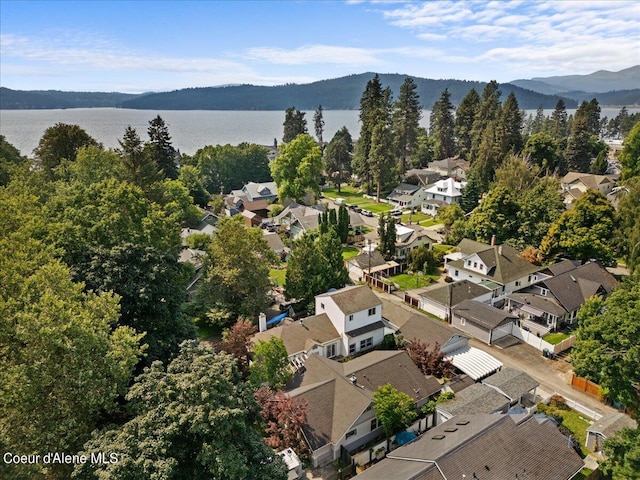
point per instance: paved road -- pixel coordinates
(553, 375)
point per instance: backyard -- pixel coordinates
(354, 196)
(406, 281)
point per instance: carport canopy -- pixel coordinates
(474, 362)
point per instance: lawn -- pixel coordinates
(555, 338)
(278, 276)
(409, 282)
(349, 252)
(578, 425)
(444, 248)
(354, 196)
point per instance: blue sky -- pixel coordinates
(138, 46)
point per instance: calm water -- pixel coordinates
(190, 129)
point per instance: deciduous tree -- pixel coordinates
(61, 141)
(236, 341)
(630, 155)
(430, 361)
(297, 169)
(285, 417)
(395, 410)
(270, 364)
(197, 419)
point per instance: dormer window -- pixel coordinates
(372, 311)
(350, 317)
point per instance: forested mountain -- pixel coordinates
(335, 94)
(36, 99)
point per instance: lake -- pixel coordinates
(189, 129)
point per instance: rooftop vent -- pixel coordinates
(437, 437)
(462, 422)
(451, 429)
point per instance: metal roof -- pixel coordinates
(474, 362)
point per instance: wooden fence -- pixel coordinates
(586, 386)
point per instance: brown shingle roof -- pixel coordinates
(296, 335)
(483, 315)
(458, 292)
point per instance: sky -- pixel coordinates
(147, 45)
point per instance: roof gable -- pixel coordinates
(353, 299)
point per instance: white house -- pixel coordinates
(443, 192)
(406, 196)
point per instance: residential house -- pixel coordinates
(497, 267)
(555, 301)
(483, 447)
(451, 167)
(574, 184)
(517, 386)
(482, 321)
(275, 243)
(606, 427)
(454, 344)
(340, 411)
(476, 398)
(443, 192)
(410, 237)
(253, 191)
(370, 262)
(422, 176)
(207, 225)
(347, 321)
(439, 299)
(195, 258)
(298, 219)
(406, 196)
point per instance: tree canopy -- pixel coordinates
(395, 410)
(297, 169)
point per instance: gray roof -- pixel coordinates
(365, 260)
(611, 423)
(457, 291)
(546, 304)
(503, 262)
(511, 382)
(476, 398)
(563, 266)
(493, 447)
(483, 315)
(353, 299)
(366, 329)
(300, 336)
(574, 287)
(335, 403)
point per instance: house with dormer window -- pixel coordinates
(496, 267)
(443, 192)
(406, 196)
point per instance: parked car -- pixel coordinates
(366, 213)
(395, 212)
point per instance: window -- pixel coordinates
(352, 349)
(322, 306)
(456, 273)
(350, 317)
(475, 264)
(468, 263)
(366, 343)
(518, 282)
(462, 321)
(352, 433)
(544, 292)
(331, 350)
(374, 424)
(372, 311)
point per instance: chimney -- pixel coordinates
(500, 250)
(262, 322)
(353, 379)
(493, 240)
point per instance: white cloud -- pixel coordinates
(314, 54)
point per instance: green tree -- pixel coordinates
(298, 168)
(10, 160)
(406, 119)
(371, 113)
(471, 192)
(381, 160)
(343, 224)
(318, 125)
(236, 271)
(63, 360)
(315, 266)
(607, 348)
(589, 112)
(600, 164)
(516, 174)
(294, 124)
(486, 116)
(425, 151)
(337, 157)
(538, 208)
(61, 141)
(442, 126)
(387, 236)
(496, 215)
(160, 149)
(174, 432)
(627, 236)
(448, 214)
(630, 155)
(488, 156)
(139, 168)
(542, 150)
(270, 363)
(582, 146)
(394, 410)
(465, 117)
(190, 177)
(585, 232)
(559, 121)
(510, 126)
(622, 455)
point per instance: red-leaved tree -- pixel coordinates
(430, 361)
(236, 341)
(285, 416)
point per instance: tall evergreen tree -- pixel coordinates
(559, 121)
(387, 236)
(337, 157)
(488, 112)
(160, 148)
(343, 224)
(294, 124)
(381, 156)
(139, 168)
(442, 126)
(471, 193)
(371, 111)
(465, 117)
(406, 120)
(590, 113)
(538, 122)
(579, 151)
(318, 125)
(510, 126)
